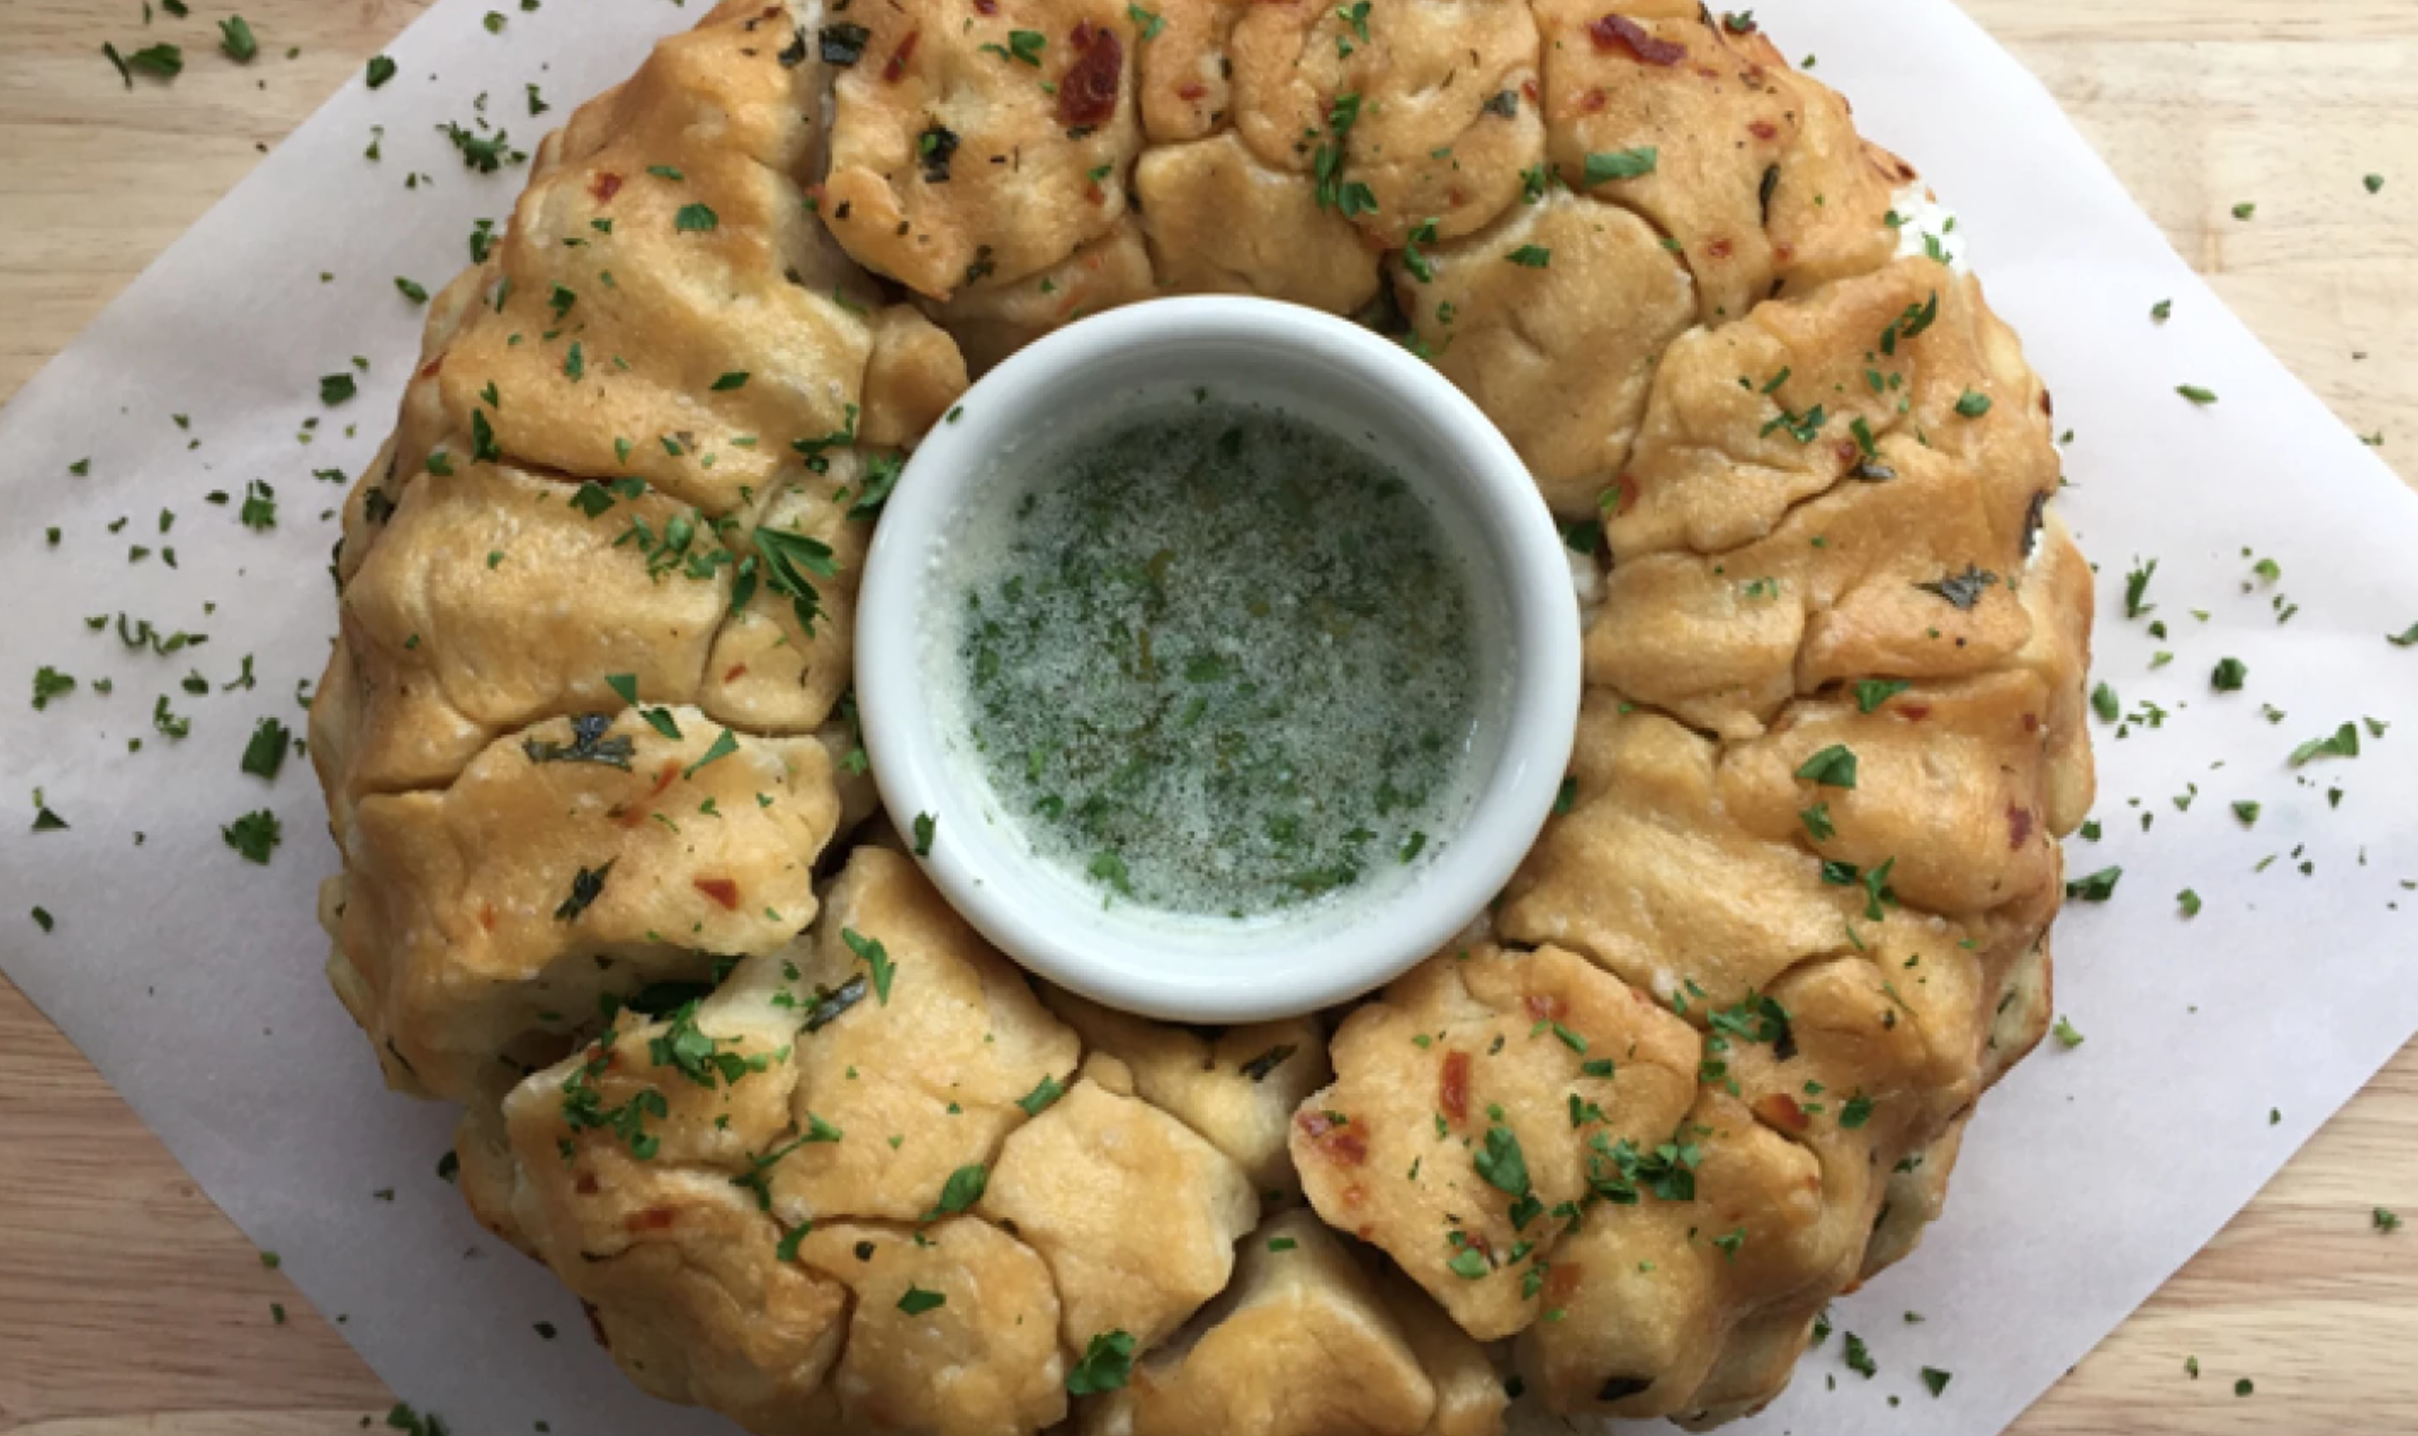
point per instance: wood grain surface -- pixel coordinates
(130, 1307)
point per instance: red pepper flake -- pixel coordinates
(2031, 722)
(1545, 1006)
(1623, 494)
(1848, 453)
(487, 917)
(1452, 1087)
(586, 1187)
(1764, 130)
(1618, 32)
(986, 7)
(1528, 92)
(1911, 712)
(604, 187)
(737, 672)
(1783, 252)
(653, 1219)
(896, 69)
(721, 890)
(2019, 826)
(1594, 102)
(1781, 1110)
(1191, 90)
(1339, 1142)
(1719, 249)
(1087, 92)
(429, 370)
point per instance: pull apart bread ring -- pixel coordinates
(817, 1156)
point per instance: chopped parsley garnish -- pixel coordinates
(843, 45)
(2228, 676)
(50, 683)
(963, 1189)
(1106, 1364)
(917, 1301)
(2343, 743)
(235, 37)
(2136, 588)
(696, 219)
(254, 835)
(483, 153)
(876, 957)
(1854, 1113)
(1150, 21)
(723, 746)
(1973, 403)
(336, 388)
(1501, 1162)
(1045, 1094)
(881, 476)
(265, 753)
(1605, 166)
(588, 741)
(2385, 1220)
(2067, 1035)
(728, 382)
(1859, 1357)
(1833, 767)
(381, 70)
(2189, 901)
(787, 560)
(925, 825)
(2094, 887)
(1935, 1380)
(1963, 590)
(1262, 1067)
(2196, 394)
(2105, 703)
(2162, 311)
(586, 887)
(1871, 693)
(1531, 256)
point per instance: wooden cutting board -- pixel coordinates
(129, 1305)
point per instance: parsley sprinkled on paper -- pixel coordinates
(255, 835)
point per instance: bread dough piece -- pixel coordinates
(1221, 222)
(967, 144)
(1462, 1113)
(1300, 1345)
(1136, 1215)
(1236, 1086)
(666, 306)
(766, 672)
(494, 913)
(981, 1361)
(995, 318)
(494, 602)
(1560, 356)
(923, 1082)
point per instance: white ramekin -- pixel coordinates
(1317, 368)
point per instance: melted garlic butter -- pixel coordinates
(1216, 661)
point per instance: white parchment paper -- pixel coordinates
(192, 977)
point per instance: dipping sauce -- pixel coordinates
(1217, 660)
